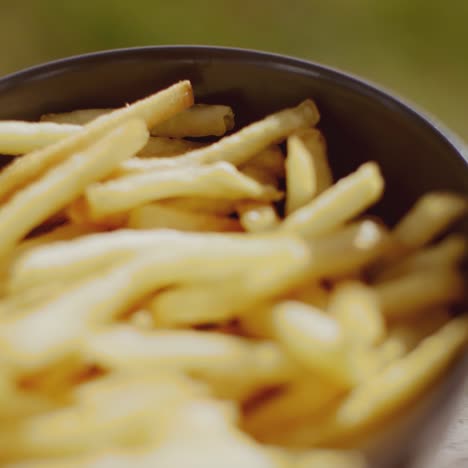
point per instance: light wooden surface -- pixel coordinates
(453, 452)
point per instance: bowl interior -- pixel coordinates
(360, 123)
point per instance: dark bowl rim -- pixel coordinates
(273, 59)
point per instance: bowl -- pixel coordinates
(360, 121)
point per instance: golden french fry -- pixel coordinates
(211, 181)
(299, 400)
(198, 121)
(17, 137)
(301, 180)
(315, 143)
(356, 307)
(270, 161)
(158, 147)
(429, 217)
(142, 319)
(313, 294)
(68, 261)
(218, 207)
(257, 216)
(313, 338)
(77, 213)
(157, 216)
(216, 302)
(93, 423)
(258, 321)
(347, 250)
(243, 145)
(448, 253)
(233, 366)
(76, 117)
(35, 203)
(416, 292)
(338, 204)
(403, 380)
(152, 110)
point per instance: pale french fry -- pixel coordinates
(76, 117)
(243, 145)
(347, 250)
(62, 184)
(93, 423)
(301, 180)
(157, 216)
(414, 293)
(158, 147)
(430, 216)
(221, 301)
(257, 216)
(448, 253)
(299, 400)
(73, 260)
(152, 110)
(390, 389)
(64, 232)
(233, 366)
(313, 294)
(77, 213)
(198, 121)
(219, 207)
(142, 319)
(17, 137)
(313, 338)
(270, 160)
(211, 181)
(315, 143)
(356, 306)
(338, 204)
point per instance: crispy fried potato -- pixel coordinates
(257, 216)
(157, 216)
(338, 204)
(152, 110)
(17, 137)
(61, 185)
(212, 181)
(199, 120)
(76, 117)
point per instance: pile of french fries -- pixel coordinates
(168, 302)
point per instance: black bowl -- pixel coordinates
(360, 122)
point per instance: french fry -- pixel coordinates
(414, 293)
(257, 216)
(76, 117)
(152, 110)
(389, 390)
(198, 121)
(313, 338)
(347, 250)
(93, 423)
(338, 204)
(157, 216)
(211, 181)
(158, 147)
(270, 161)
(61, 185)
(232, 365)
(314, 141)
(68, 261)
(243, 145)
(448, 253)
(258, 321)
(301, 180)
(202, 303)
(356, 307)
(300, 399)
(218, 207)
(430, 216)
(17, 137)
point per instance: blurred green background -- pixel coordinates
(415, 47)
